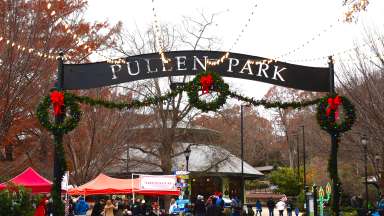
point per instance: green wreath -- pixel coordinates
(218, 86)
(327, 114)
(69, 123)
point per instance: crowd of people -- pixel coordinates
(101, 207)
(211, 206)
(115, 207)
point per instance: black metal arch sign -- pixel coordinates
(147, 66)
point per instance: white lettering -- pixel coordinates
(115, 68)
(149, 67)
(180, 63)
(247, 66)
(195, 59)
(231, 64)
(276, 72)
(264, 70)
(164, 69)
(129, 68)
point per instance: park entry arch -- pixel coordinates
(335, 113)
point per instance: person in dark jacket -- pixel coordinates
(136, 210)
(212, 209)
(49, 207)
(97, 208)
(200, 206)
(271, 206)
(290, 207)
(71, 208)
(259, 208)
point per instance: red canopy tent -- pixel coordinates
(103, 184)
(32, 180)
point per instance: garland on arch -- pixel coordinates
(206, 82)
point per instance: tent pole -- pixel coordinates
(133, 190)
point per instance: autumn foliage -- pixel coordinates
(32, 33)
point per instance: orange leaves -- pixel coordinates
(31, 31)
(354, 7)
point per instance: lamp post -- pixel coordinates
(364, 142)
(304, 158)
(187, 153)
(304, 170)
(242, 154)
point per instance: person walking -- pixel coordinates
(236, 206)
(49, 207)
(212, 208)
(136, 209)
(200, 206)
(280, 207)
(259, 207)
(172, 206)
(81, 207)
(271, 206)
(126, 208)
(250, 211)
(71, 207)
(297, 211)
(109, 208)
(290, 207)
(220, 203)
(97, 209)
(40, 210)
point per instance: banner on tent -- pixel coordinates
(157, 182)
(147, 66)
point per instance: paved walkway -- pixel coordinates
(265, 212)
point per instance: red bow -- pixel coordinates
(333, 104)
(57, 99)
(206, 82)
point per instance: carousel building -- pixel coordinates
(211, 168)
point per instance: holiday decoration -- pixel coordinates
(333, 105)
(204, 82)
(328, 114)
(57, 100)
(69, 123)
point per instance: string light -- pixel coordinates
(110, 60)
(348, 17)
(157, 28)
(303, 45)
(340, 53)
(48, 55)
(226, 55)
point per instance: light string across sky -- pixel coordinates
(47, 55)
(157, 31)
(347, 18)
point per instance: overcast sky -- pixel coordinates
(277, 27)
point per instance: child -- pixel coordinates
(297, 211)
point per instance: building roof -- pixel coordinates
(265, 168)
(203, 158)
